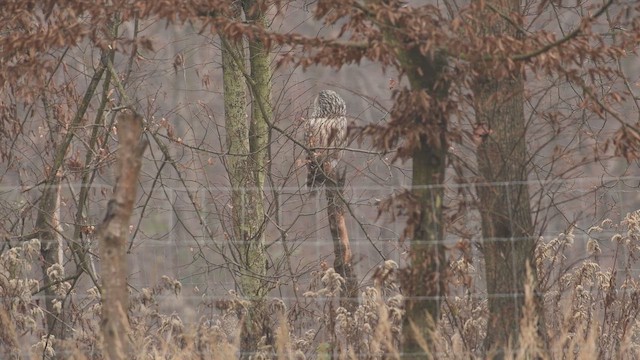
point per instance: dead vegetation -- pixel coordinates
(591, 308)
(437, 84)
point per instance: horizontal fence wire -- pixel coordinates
(169, 241)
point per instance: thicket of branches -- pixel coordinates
(477, 129)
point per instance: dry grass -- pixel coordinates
(591, 305)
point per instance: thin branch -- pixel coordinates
(571, 35)
(506, 18)
(252, 84)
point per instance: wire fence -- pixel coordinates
(166, 226)
(170, 241)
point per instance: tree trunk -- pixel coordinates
(46, 221)
(261, 110)
(343, 257)
(47, 224)
(507, 229)
(113, 234)
(248, 152)
(424, 282)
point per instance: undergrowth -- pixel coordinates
(591, 301)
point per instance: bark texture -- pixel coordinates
(343, 257)
(425, 281)
(113, 234)
(248, 144)
(507, 228)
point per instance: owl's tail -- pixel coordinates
(315, 176)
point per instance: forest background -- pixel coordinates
(153, 166)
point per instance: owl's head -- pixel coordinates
(328, 104)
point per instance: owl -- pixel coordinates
(325, 135)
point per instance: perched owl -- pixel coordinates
(325, 134)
